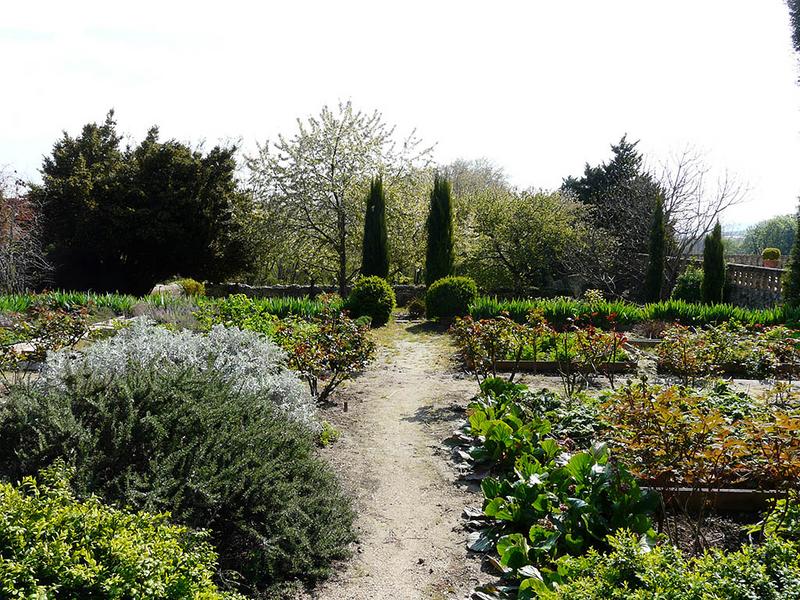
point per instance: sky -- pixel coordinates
(540, 87)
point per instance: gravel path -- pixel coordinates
(392, 460)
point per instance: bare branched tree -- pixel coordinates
(692, 205)
(23, 264)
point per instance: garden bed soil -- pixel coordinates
(728, 500)
(553, 366)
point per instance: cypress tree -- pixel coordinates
(375, 253)
(713, 267)
(656, 257)
(439, 256)
(791, 279)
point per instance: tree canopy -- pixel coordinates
(621, 198)
(311, 188)
(777, 232)
(125, 218)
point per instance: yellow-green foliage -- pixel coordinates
(54, 546)
(192, 287)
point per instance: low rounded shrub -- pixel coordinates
(771, 254)
(192, 287)
(450, 297)
(372, 297)
(688, 285)
(55, 546)
(213, 446)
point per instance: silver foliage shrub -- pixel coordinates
(243, 358)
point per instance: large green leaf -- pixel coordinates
(579, 466)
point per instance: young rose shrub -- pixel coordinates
(327, 350)
(56, 546)
(372, 297)
(450, 297)
(213, 453)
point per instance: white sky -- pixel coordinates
(538, 86)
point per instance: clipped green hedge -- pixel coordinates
(53, 545)
(372, 297)
(450, 297)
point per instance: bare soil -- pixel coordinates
(393, 459)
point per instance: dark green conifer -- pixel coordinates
(375, 253)
(791, 279)
(656, 256)
(439, 256)
(713, 267)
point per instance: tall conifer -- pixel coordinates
(713, 267)
(791, 279)
(375, 253)
(439, 256)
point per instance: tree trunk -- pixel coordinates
(342, 275)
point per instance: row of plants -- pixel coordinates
(123, 304)
(489, 346)
(213, 428)
(324, 346)
(695, 353)
(562, 312)
(120, 304)
(563, 510)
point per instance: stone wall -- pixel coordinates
(752, 286)
(754, 260)
(404, 293)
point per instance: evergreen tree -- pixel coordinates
(794, 13)
(439, 257)
(791, 279)
(125, 218)
(656, 256)
(621, 197)
(375, 254)
(713, 267)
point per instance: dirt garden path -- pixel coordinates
(391, 458)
